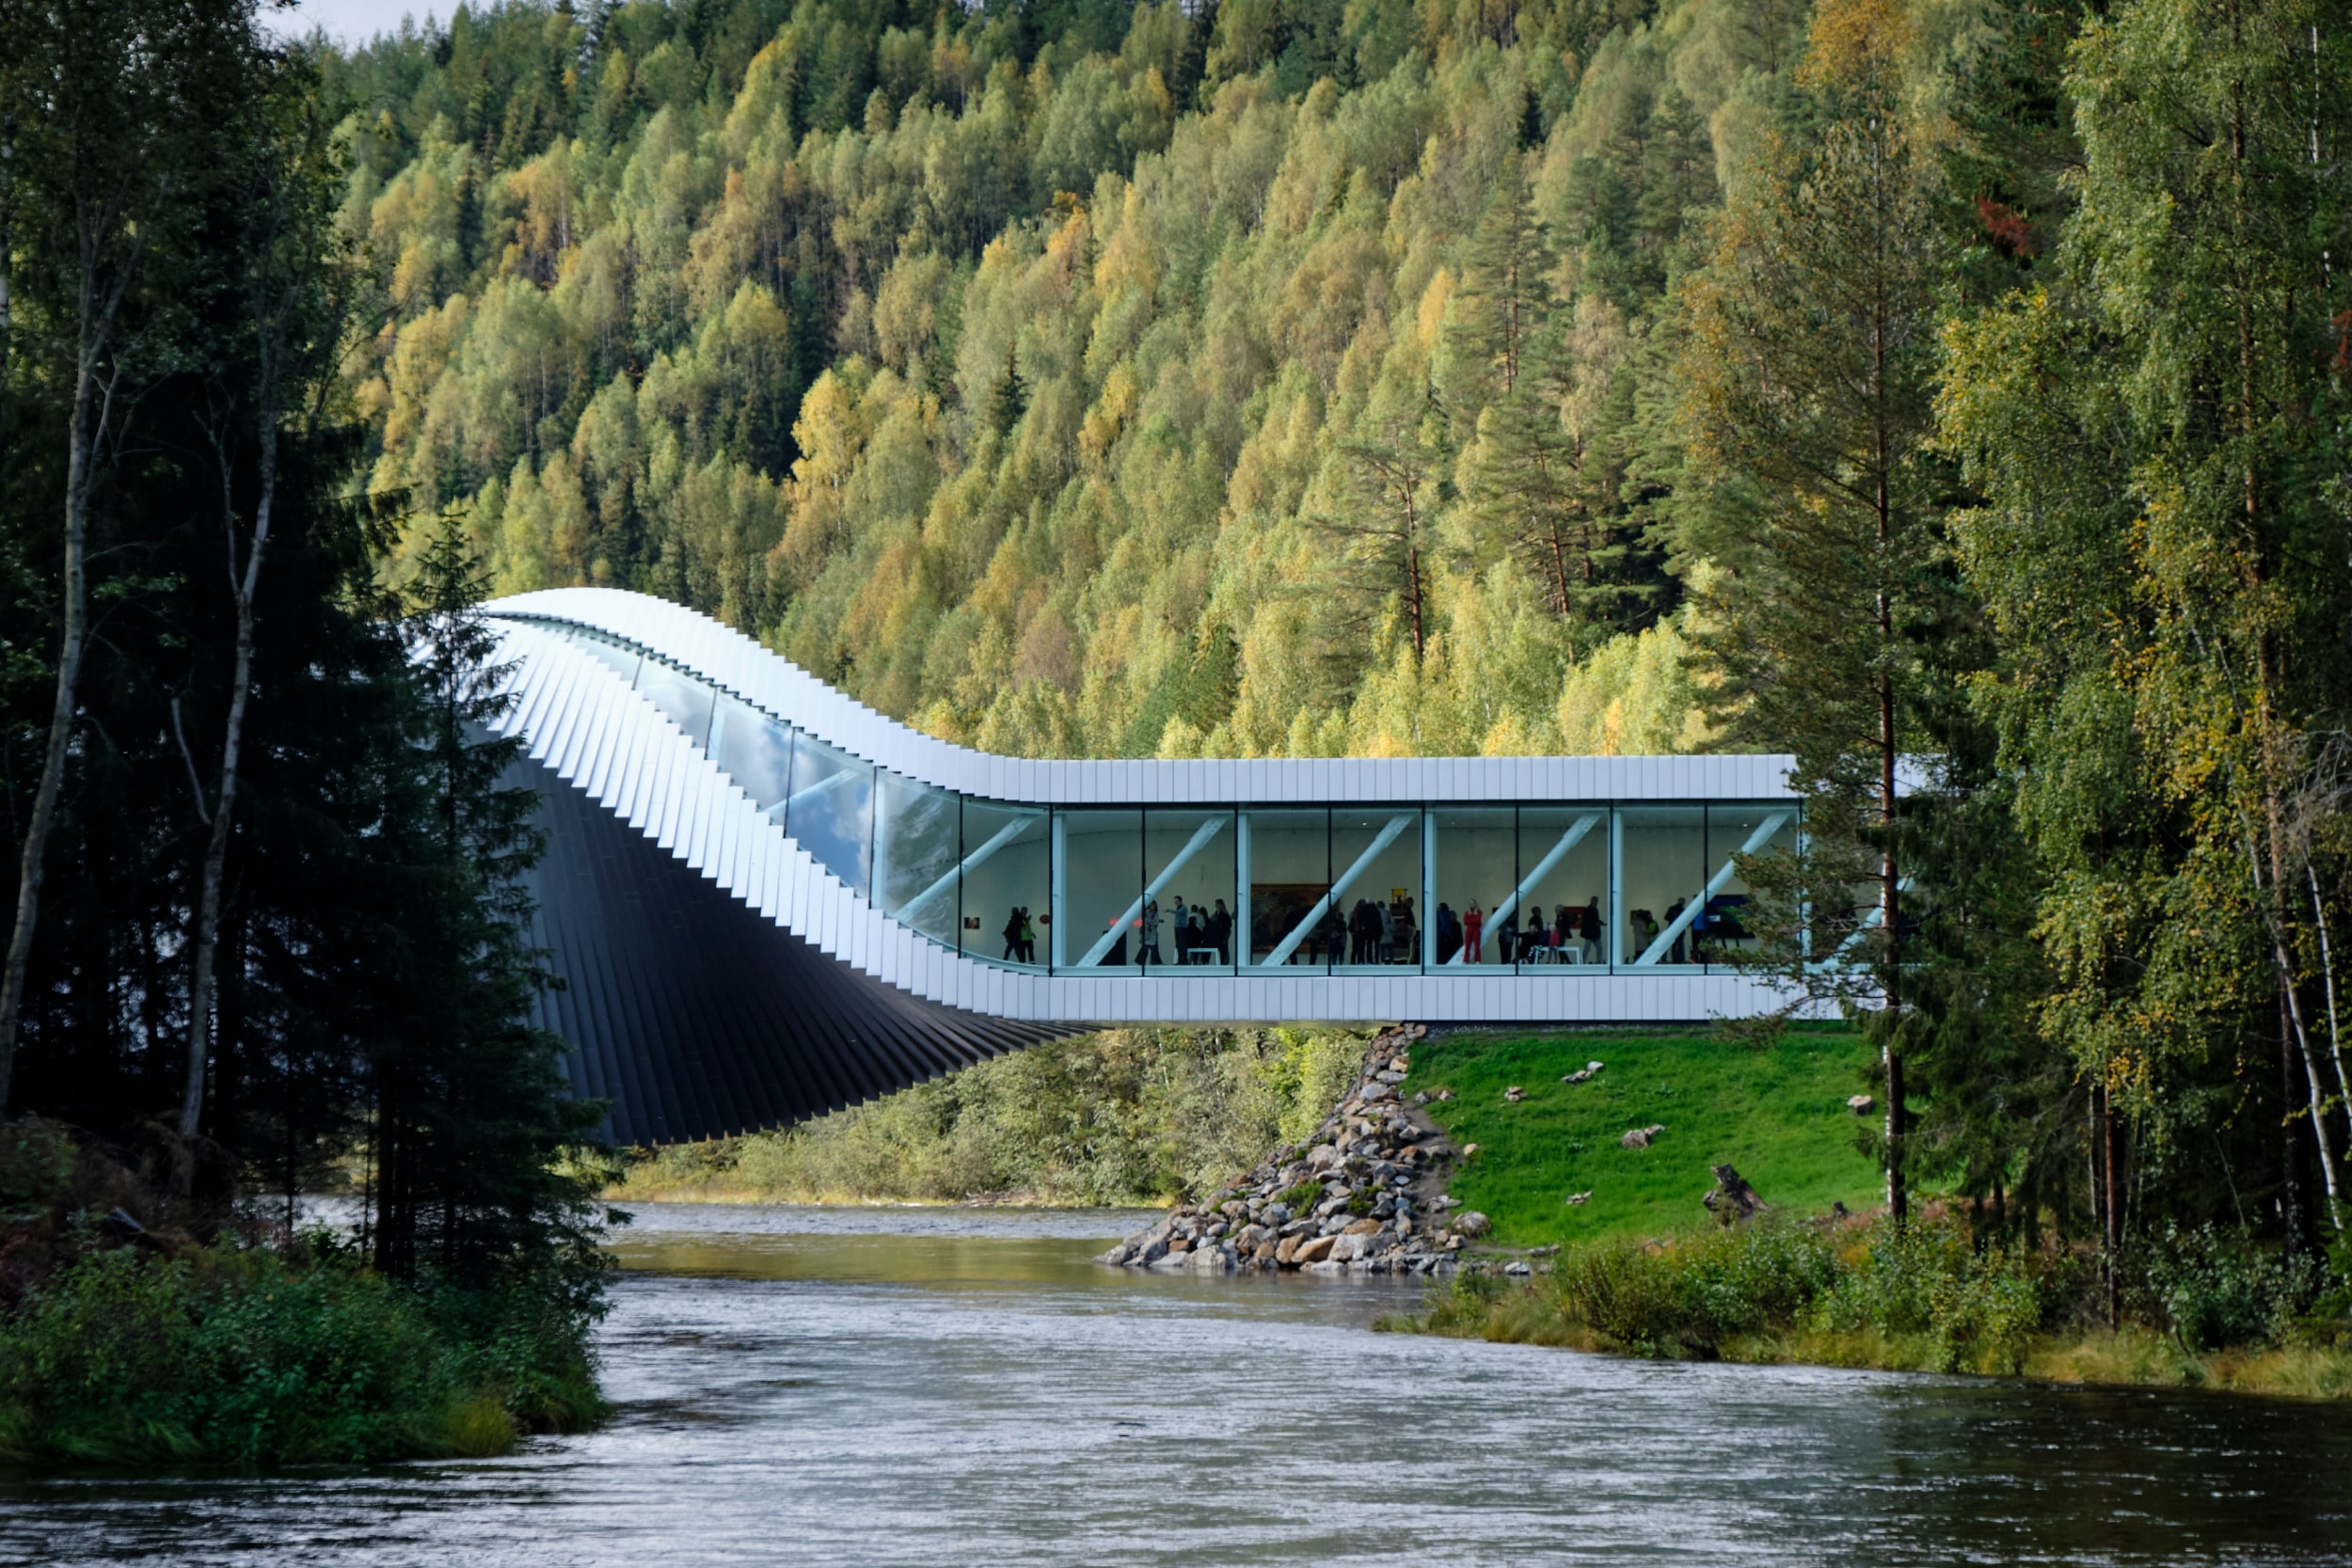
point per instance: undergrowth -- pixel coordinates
(1924, 1297)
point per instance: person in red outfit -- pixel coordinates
(1472, 919)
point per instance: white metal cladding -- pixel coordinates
(768, 680)
(582, 719)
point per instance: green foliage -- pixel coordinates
(1922, 1293)
(1778, 1115)
(1127, 1116)
(1975, 1307)
(1300, 1196)
(1022, 375)
(257, 1357)
(2214, 1288)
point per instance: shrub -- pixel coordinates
(256, 1356)
(1973, 1308)
(2215, 1288)
(1687, 1296)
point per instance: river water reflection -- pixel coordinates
(963, 1386)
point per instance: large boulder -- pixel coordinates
(1472, 1223)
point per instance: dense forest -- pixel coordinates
(1032, 372)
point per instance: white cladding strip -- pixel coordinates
(583, 721)
(735, 661)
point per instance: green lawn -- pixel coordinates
(1779, 1114)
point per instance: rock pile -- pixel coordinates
(1366, 1193)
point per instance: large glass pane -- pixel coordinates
(1288, 859)
(1560, 912)
(684, 698)
(1661, 862)
(752, 750)
(918, 841)
(1734, 831)
(1188, 872)
(1474, 848)
(1007, 886)
(1376, 888)
(830, 809)
(1098, 892)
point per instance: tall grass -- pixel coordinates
(2206, 1308)
(1923, 1296)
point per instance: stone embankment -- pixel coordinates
(1366, 1193)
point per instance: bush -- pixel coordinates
(252, 1355)
(2214, 1288)
(1977, 1310)
(1694, 1294)
(1688, 1296)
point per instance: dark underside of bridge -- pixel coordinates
(693, 1015)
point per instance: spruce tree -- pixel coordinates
(470, 1114)
(1807, 369)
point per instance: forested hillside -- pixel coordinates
(1099, 379)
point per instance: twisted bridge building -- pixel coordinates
(768, 901)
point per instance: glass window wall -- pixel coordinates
(1661, 867)
(1099, 910)
(1286, 860)
(830, 810)
(917, 845)
(1560, 916)
(1475, 868)
(1375, 887)
(1007, 884)
(1724, 928)
(1188, 884)
(685, 700)
(752, 750)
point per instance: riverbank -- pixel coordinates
(138, 1327)
(1857, 1293)
(1364, 1192)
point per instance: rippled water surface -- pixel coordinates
(962, 1387)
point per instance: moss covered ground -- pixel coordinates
(1776, 1113)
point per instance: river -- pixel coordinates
(964, 1387)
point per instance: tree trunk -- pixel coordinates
(96, 319)
(2290, 1093)
(232, 739)
(2112, 1207)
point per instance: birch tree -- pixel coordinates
(107, 103)
(281, 279)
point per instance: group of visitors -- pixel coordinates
(1569, 935)
(1194, 931)
(1373, 932)
(1380, 933)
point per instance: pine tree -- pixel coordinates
(1809, 373)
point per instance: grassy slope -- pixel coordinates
(1778, 1115)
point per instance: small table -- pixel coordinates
(1201, 956)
